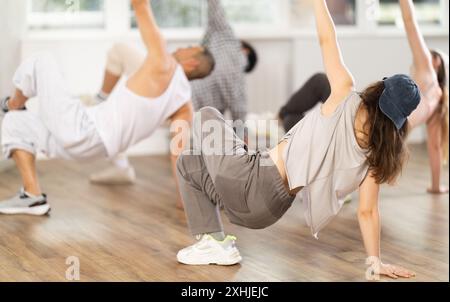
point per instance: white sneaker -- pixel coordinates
(114, 176)
(210, 251)
(24, 204)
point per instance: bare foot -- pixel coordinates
(438, 191)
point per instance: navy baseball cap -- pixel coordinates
(400, 98)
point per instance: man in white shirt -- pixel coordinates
(224, 89)
(64, 128)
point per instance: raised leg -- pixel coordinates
(39, 76)
(122, 60)
(316, 90)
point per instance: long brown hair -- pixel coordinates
(443, 104)
(387, 149)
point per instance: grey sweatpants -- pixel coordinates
(220, 172)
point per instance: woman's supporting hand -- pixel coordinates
(378, 268)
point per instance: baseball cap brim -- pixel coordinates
(391, 111)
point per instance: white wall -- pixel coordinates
(12, 24)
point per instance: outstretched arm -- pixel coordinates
(217, 17)
(369, 222)
(341, 80)
(150, 33)
(421, 54)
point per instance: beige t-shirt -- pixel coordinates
(324, 159)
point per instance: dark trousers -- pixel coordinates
(316, 90)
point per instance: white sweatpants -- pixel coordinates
(61, 128)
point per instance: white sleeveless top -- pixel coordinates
(323, 157)
(125, 118)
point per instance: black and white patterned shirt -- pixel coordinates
(224, 89)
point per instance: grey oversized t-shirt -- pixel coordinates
(324, 159)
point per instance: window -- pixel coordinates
(252, 12)
(429, 12)
(193, 13)
(342, 11)
(277, 15)
(176, 13)
(65, 13)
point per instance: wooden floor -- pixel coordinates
(133, 233)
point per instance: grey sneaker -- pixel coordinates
(24, 204)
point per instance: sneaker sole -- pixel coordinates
(230, 262)
(35, 211)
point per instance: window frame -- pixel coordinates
(117, 20)
(63, 20)
(443, 18)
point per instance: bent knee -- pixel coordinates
(118, 49)
(182, 165)
(19, 125)
(187, 164)
(11, 122)
(320, 77)
(116, 57)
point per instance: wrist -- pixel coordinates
(4, 104)
(374, 268)
(373, 261)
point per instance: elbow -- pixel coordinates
(324, 40)
(327, 37)
(408, 19)
(348, 82)
(366, 214)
